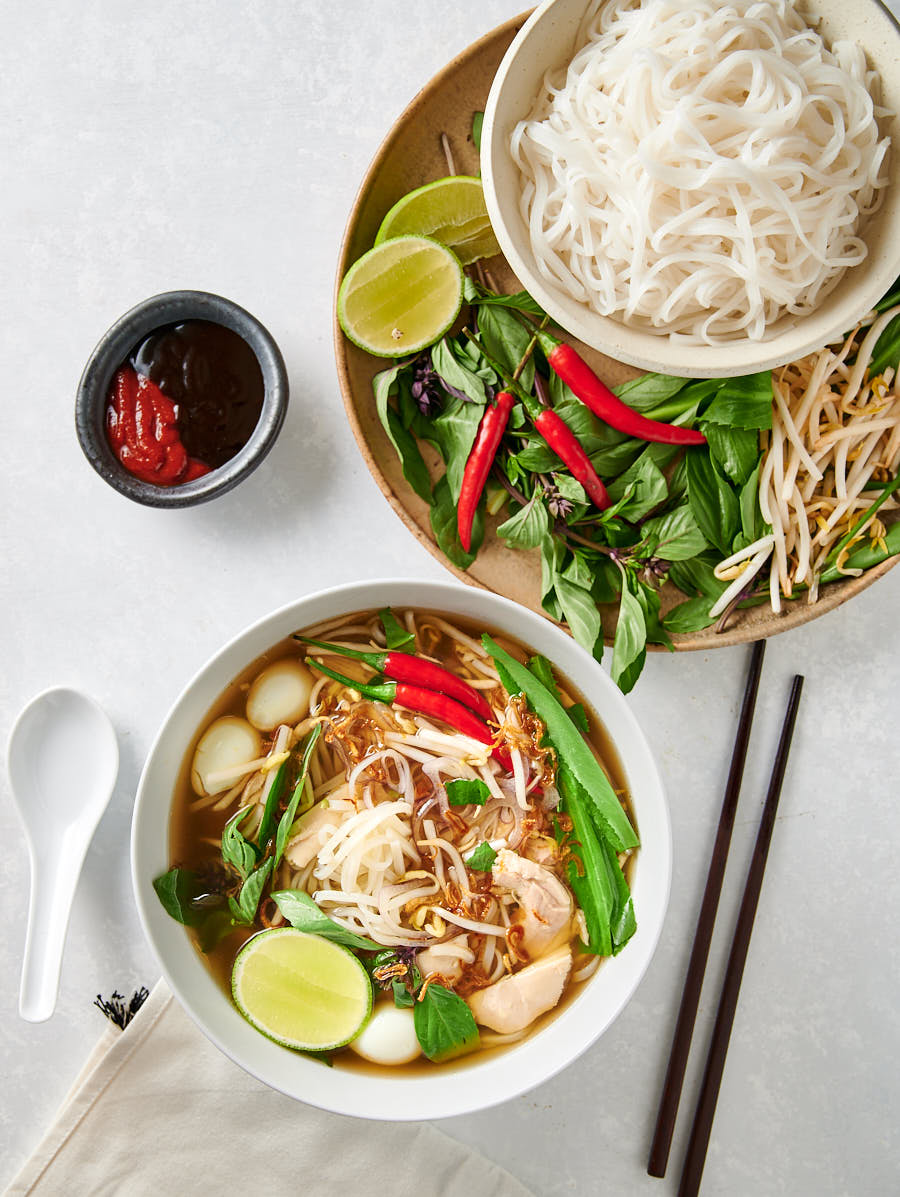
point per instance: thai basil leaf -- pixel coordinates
(752, 523)
(213, 929)
(537, 458)
(649, 599)
(551, 553)
(287, 819)
(571, 748)
(648, 483)
(649, 391)
(273, 800)
(675, 535)
(477, 122)
(473, 359)
(630, 644)
(506, 339)
(521, 301)
(460, 381)
(712, 500)
(678, 482)
(455, 429)
(482, 859)
(744, 402)
(696, 577)
(577, 571)
(395, 634)
(735, 449)
(528, 527)
(467, 791)
(607, 581)
(413, 464)
(445, 1026)
(446, 532)
(566, 593)
(182, 898)
(237, 851)
(245, 906)
(611, 461)
(696, 393)
(403, 999)
(690, 616)
(570, 488)
(581, 614)
(301, 912)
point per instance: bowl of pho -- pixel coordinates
(698, 189)
(409, 830)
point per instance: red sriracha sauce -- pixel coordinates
(142, 428)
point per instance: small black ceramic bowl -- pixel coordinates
(91, 399)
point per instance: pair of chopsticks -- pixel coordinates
(690, 998)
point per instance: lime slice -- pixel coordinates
(301, 990)
(401, 296)
(451, 211)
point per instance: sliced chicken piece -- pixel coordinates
(309, 839)
(439, 960)
(513, 1003)
(545, 905)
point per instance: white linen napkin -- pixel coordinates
(157, 1109)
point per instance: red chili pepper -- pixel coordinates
(427, 702)
(565, 444)
(595, 394)
(484, 450)
(405, 667)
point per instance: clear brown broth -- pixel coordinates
(190, 831)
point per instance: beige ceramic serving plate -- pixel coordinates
(411, 155)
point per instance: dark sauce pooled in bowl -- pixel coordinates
(185, 402)
(213, 376)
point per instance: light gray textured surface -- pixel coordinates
(220, 146)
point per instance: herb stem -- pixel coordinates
(886, 493)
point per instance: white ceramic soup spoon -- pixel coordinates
(63, 759)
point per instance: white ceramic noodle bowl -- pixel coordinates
(547, 41)
(441, 1091)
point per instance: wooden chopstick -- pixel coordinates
(718, 1047)
(693, 981)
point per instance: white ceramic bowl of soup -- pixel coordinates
(548, 41)
(431, 1091)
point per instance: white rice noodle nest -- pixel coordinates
(699, 170)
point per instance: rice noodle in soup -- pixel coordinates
(381, 842)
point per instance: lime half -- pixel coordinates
(301, 990)
(401, 296)
(451, 211)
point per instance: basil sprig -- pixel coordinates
(301, 912)
(464, 791)
(445, 1026)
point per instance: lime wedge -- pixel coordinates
(451, 211)
(401, 296)
(301, 990)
